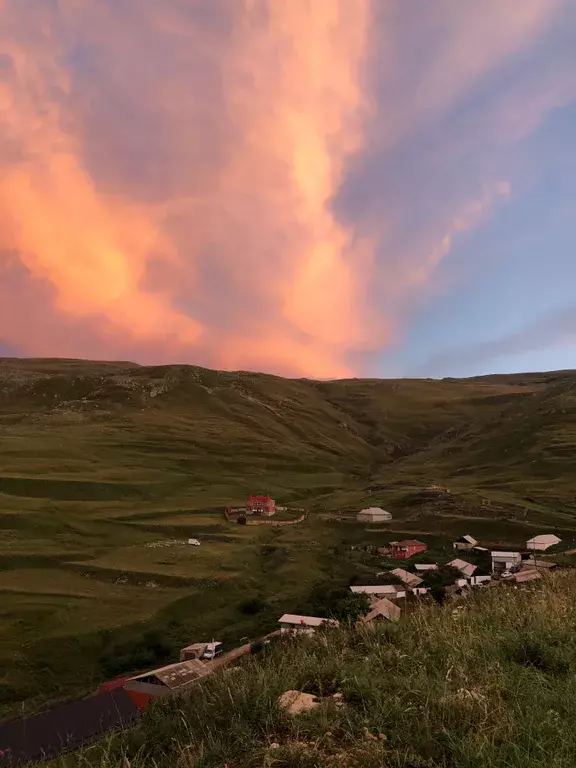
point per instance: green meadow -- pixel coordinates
(108, 468)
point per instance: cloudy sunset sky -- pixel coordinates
(318, 188)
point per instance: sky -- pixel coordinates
(318, 188)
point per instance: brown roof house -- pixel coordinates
(465, 542)
(383, 609)
(465, 568)
(410, 579)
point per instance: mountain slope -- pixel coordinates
(108, 468)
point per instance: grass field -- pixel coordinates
(485, 683)
(101, 461)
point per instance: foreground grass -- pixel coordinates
(487, 683)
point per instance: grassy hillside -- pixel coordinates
(484, 683)
(102, 461)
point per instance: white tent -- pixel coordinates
(374, 515)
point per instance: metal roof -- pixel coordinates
(426, 567)
(45, 736)
(175, 676)
(505, 555)
(195, 646)
(408, 578)
(468, 539)
(466, 568)
(543, 541)
(378, 589)
(307, 621)
(384, 608)
(527, 576)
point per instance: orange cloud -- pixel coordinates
(292, 95)
(170, 172)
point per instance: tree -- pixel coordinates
(438, 580)
(350, 608)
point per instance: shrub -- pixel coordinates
(252, 606)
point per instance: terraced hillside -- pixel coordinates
(107, 469)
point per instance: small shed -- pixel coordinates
(383, 609)
(465, 542)
(410, 579)
(542, 542)
(193, 651)
(426, 566)
(467, 569)
(373, 515)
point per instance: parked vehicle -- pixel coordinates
(212, 650)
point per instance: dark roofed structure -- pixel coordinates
(49, 734)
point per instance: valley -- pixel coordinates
(101, 462)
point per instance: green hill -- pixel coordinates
(102, 461)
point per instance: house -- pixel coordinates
(467, 569)
(402, 550)
(410, 579)
(303, 624)
(171, 680)
(380, 590)
(465, 542)
(505, 561)
(260, 505)
(373, 515)
(542, 542)
(426, 566)
(383, 609)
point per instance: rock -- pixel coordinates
(296, 702)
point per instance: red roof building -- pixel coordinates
(402, 550)
(260, 505)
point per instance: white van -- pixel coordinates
(212, 650)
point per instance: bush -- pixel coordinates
(252, 606)
(128, 654)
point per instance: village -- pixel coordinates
(398, 591)
(408, 573)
